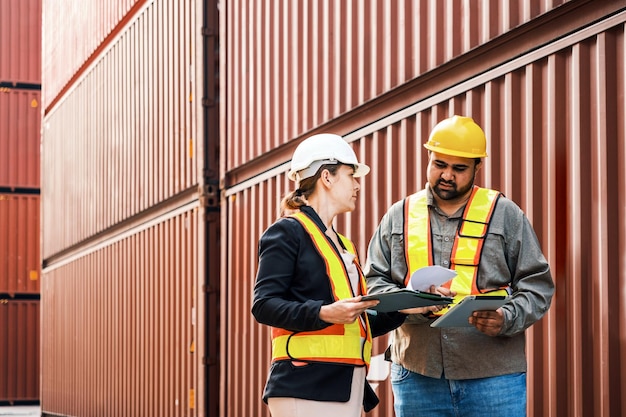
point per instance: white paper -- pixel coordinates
(423, 278)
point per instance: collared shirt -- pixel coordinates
(511, 256)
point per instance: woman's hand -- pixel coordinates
(345, 311)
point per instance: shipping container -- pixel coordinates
(20, 130)
(75, 32)
(20, 262)
(130, 235)
(142, 313)
(19, 351)
(122, 322)
(136, 143)
(554, 118)
(294, 67)
(20, 42)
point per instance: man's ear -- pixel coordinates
(479, 164)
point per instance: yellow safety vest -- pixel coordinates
(468, 242)
(338, 343)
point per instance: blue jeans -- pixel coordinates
(418, 396)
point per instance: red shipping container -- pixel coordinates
(19, 350)
(20, 121)
(20, 41)
(68, 48)
(19, 244)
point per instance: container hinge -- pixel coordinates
(210, 197)
(208, 102)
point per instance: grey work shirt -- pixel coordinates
(511, 256)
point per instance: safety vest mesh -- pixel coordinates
(337, 343)
(467, 246)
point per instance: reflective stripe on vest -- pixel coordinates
(339, 343)
(468, 242)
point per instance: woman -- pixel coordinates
(309, 286)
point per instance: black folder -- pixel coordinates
(403, 298)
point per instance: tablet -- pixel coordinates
(458, 314)
(402, 299)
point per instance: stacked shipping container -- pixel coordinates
(20, 40)
(137, 297)
(545, 79)
(130, 209)
(20, 116)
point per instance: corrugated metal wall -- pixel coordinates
(293, 67)
(554, 116)
(20, 41)
(135, 144)
(127, 164)
(120, 323)
(19, 350)
(130, 209)
(20, 126)
(19, 244)
(20, 261)
(74, 32)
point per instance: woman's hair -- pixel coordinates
(297, 198)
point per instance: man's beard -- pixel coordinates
(453, 192)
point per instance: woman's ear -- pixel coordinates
(326, 177)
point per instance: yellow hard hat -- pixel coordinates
(458, 136)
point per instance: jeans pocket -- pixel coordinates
(398, 373)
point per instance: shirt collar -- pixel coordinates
(431, 202)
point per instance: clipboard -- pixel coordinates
(458, 314)
(403, 298)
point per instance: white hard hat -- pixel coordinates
(322, 149)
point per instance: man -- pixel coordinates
(478, 370)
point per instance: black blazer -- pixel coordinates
(291, 287)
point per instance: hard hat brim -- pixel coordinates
(360, 170)
(455, 152)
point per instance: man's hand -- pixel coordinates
(345, 311)
(446, 292)
(488, 322)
